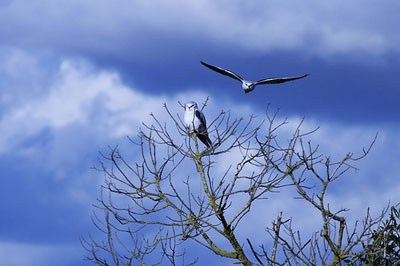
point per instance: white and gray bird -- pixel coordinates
(195, 122)
(248, 86)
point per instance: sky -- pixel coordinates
(79, 76)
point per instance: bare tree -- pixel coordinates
(155, 208)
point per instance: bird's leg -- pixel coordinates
(194, 132)
(190, 133)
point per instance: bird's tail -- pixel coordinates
(205, 139)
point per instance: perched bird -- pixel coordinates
(248, 86)
(196, 122)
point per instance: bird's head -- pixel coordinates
(190, 106)
(248, 86)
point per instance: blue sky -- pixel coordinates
(77, 76)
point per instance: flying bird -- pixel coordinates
(196, 122)
(248, 86)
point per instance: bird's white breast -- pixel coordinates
(191, 121)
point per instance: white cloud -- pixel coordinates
(79, 96)
(22, 76)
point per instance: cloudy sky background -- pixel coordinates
(77, 76)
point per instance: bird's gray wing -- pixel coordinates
(202, 119)
(278, 80)
(203, 135)
(223, 71)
